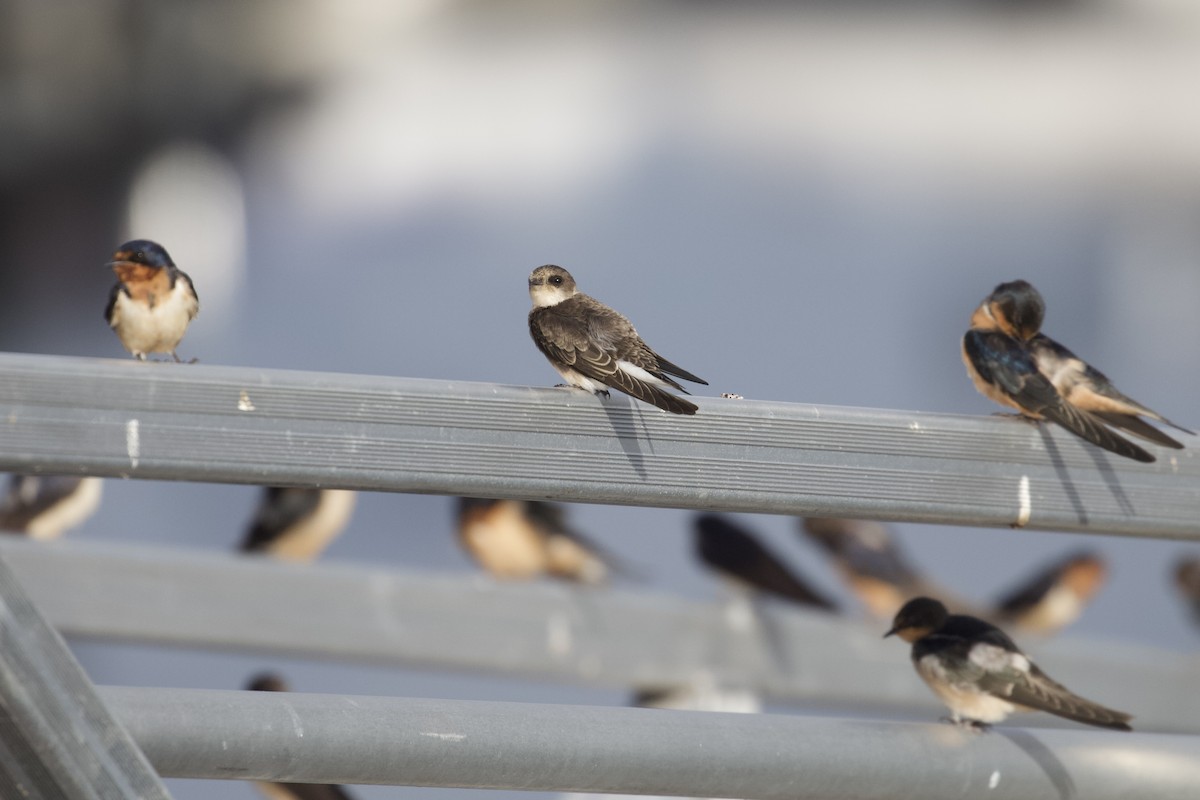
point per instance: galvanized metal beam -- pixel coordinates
(58, 741)
(541, 631)
(389, 740)
(210, 423)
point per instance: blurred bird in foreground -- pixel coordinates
(734, 553)
(873, 565)
(525, 539)
(981, 676)
(270, 682)
(1003, 366)
(1054, 597)
(153, 301)
(596, 348)
(46, 506)
(297, 524)
(1187, 581)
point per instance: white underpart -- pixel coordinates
(1059, 608)
(155, 330)
(579, 380)
(311, 535)
(965, 700)
(67, 514)
(636, 372)
(545, 295)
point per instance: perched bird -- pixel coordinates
(46, 506)
(1003, 367)
(270, 682)
(153, 301)
(1055, 596)
(1088, 389)
(871, 563)
(1187, 581)
(737, 555)
(981, 676)
(595, 348)
(525, 539)
(297, 524)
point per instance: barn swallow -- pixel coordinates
(872, 564)
(981, 676)
(1088, 389)
(521, 540)
(46, 506)
(738, 556)
(1055, 596)
(702, 693)
(297, 524)
(270, 682)
(1003, 368)
(153, 301)
(596, 348)
(1187, 581)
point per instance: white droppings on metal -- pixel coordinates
(133, 442)
(994, 780)
(1026, 504)
(558, 634)
(914, 426)
(445, 737)
(244, 403)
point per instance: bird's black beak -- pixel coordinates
(891, 632)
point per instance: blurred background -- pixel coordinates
(797, 202)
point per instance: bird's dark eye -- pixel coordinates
(139, 256)
(556, 280)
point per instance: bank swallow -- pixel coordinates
(735, 554)
(46, 506)
(526, 539)
(981, 676)
(270, 682)
(596, 348)
(153, 301)
(296, 524)
(1003, 368)
(1054, 597)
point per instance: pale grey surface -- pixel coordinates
(347, 739)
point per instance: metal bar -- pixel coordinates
(387, 740)
(596, 637)
(57, 739)
(210, 423)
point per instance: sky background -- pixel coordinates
(796, 203)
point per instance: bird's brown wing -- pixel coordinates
(1037, 690)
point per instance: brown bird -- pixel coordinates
(270, 682)
(981, 676)
(737, 555)
(46, 506)
(1003, 367)
(525, 539)
(1055, 596)
(596, 348)
(1187, 581)
(153, 301)
(297, 524)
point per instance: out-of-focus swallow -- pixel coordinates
(270, 682)
(1001, 364)
(871, 563)
(981, 676)
(521, 540)
(1187, 581)
(46, 506)
(738, 556)
(700, 694)
(1089, 389)
(297, 524)
(153, 301)
(1055, 596)
(596, 348)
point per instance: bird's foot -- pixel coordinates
(731, 396)
(972, 725)
(1017, 416)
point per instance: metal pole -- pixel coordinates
(384, 740)
(58, 741)
(211, 423)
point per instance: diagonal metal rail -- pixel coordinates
(540, 631)
(238, 425)
(386, 740)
